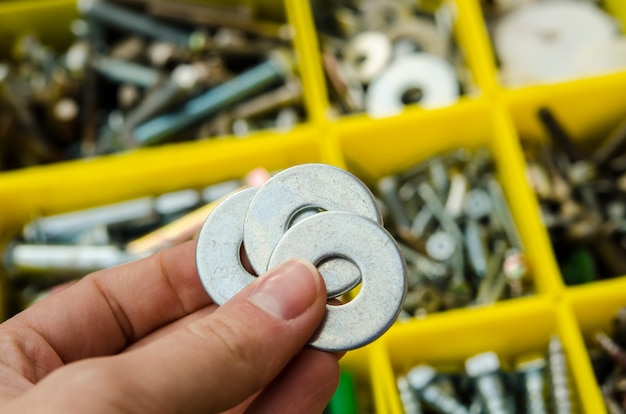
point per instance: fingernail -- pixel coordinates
(286, 291)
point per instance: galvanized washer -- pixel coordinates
(374, 251)
(218, 248)
(298, 191)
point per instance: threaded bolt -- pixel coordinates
(483, 368)
(559, 382)
(421, 380)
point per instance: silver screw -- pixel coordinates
(483, 368)
(228, 93)
(475, 243)
(532, 374)
(410, 403)
(421, 380)
(141, 24)
(559, 381)
(501, 210)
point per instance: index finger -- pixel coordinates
(108, 310)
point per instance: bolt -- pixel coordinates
(138, 23)
(421, 380)
(484, 368)
(501, 210)
(228, 93)
(532, 374)
(123, 71)
(388, 188)
(559, 381)
(410, 403)
(611, 348)
(457, 195)
(475, 244)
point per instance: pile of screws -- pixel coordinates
(608, 357)
(537, 385)
(583, 201)
(60, 248)
(379, 55)
(540, 41)
(144, 75)
(456, 233)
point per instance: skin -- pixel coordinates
(145, 337)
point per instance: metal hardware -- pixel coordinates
(294, 216)
(305, 189)
(559, 377)
(421, 380)
(483, 368)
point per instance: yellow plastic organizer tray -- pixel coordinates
(371, 149)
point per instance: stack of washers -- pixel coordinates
(321, 214)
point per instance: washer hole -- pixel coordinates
(342, 277)
(412, 95)
(302, 213)
(245, 262)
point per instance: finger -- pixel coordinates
(110, 309)
(173, 327)
(305, 386)
(215, 362)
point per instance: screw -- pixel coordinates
(501, 210)
(559, 381)
(610, 347)
(388, 188)
(410, 403)
(123, 71)
(483, 368)
(532, 374)
(140, 24)
(421, 380)
(220, 97)
(475, 243)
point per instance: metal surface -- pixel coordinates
(297, 190)
(366, 55)
(218, 250)
(418, 78)
(383, 273)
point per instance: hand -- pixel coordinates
(146, 338)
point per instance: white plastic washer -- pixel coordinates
(540, 42)
(431, 74)
(366, 55)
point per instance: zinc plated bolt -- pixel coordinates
(534, 384)
(228, 93)
(484, 369)
(559, 381)
(421, 380)
(134, 22)
(123, 71)
(410, 403)
(502, 212)
(611, 348)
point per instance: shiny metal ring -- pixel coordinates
(432, 76)
(218, 248)
(366, 55)
(374, 251)
(295, 193)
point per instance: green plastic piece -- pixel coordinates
(579, 268)
(344, 399)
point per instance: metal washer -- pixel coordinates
(218, 248)
(303, 188)
(432, 75)
(374, 251)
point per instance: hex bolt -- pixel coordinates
(534, 384)
(484, 369)
(222, 96)
(410, 403)
(559, 381)
(421, 380)
(138, 23)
